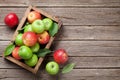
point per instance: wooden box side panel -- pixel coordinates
(20, 63)
(46, 14)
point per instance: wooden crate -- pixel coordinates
(21, 24)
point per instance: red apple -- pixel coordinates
(60, 56)
(29, 38)
(15, 53)
(11, 20)
(33, 15)
(43, 38)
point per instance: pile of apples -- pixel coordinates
(34, 34)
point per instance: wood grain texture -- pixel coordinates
(89, 48)
(82, 74)
(81, 63)
(94, 62)
(82, 48)
(90, 35)
(80, 78)
(85, 16)
(76, 33)
(61, 3)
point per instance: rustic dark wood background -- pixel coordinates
(90, 34)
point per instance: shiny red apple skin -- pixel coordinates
(15, 53)
(43, 38)
(29, 38)
(11, 20)
(60, 56)
(33, 15)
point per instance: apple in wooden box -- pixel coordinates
(28, 34)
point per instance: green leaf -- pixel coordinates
(68, 68)
(43, 52)
(54, 29)
(9, 49)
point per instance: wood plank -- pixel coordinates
(82, 48)
(89, 48)
(7, 78)
(89, 33)
(6, 33)
(93, 62)
(81, 3)
(77, 74)
(80, 78)
(78, 33)
(7, 64)
(81, 62)
(85, 16)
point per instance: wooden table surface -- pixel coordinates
(90, 35)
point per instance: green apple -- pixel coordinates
(52, 68)
(28, 27)
(32, 61)
(25, 52)
(48, 23)
(38, 26)
(18, 40)
(35, 48)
